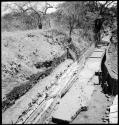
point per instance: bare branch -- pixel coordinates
(47, 6)
(8, 6)
(109, 3)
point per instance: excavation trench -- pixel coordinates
(64, 86)
(101, 99)
(82, 91)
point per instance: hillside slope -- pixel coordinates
(20, 51)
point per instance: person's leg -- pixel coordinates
(96, 39)
(99, 37)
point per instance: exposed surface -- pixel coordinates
(80, 93)
(96, 110)
(20, 51)
(112, 60)
(113, 116)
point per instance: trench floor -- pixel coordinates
(97, 109)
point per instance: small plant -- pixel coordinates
(24, 112)
(34, 100)
(20, 56)
(39, 95)
(46, 95)
(84, 108)
(46, 88)
(30, 104)
(57, 76)
(19, 91)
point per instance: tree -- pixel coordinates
(103, 12)
(86, 15)
(29, 7)
(69, 15)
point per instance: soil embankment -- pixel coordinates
(101, 103)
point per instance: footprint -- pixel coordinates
(94, 106)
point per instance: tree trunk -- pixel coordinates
(49, 23)
(39, 22)
(70, 28)
(70, 31)
(97, 28)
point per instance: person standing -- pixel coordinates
(97, 29)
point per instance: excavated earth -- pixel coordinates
(92, 98)
(21, 51)
(102, 107)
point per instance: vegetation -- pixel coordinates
(86, 15)
(19, 91)
(29, 8)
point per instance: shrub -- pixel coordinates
(19, 91)
(43, 64)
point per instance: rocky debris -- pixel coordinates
(94, 80)
(106, 117)
(30, 35)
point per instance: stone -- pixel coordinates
(113, 115)
(114, 120)
(113, 108)
(95, 80)
(115, 102)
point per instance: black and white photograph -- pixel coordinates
(59, 62)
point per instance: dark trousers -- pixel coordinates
(97, 38)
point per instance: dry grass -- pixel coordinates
(20, 51)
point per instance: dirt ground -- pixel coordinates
(98, 108)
